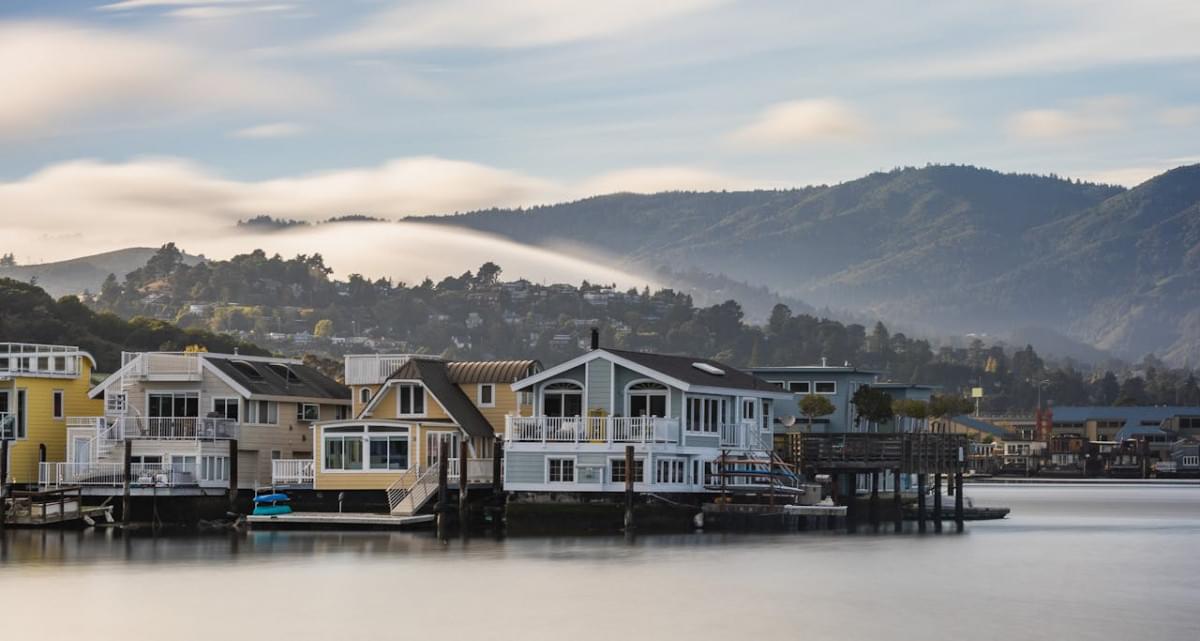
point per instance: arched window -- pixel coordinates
(646, 398)
(364, 395)
(562, 398)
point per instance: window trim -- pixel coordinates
(256, 420)
(574, 470)
(479, 394)
(664, 393)
(301, 415)
(58, 405)
(621, 459)
(411, 385)
(364, 395)
(362, 432)
(670, 461)
(579, 388)
(808, 383)
(225, 414)
(833, 383)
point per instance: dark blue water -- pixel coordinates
(1105, 562)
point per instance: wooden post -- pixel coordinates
(937, 501)
(874, 497)
(958, 500)
(629, 471)
(463, 481)
(443, 493)
(3, 480)
(233, 474)
(498, 467)
(921, 501)
(127, 473)
(898, 517)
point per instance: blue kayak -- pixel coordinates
(271, 510)
(272, 498)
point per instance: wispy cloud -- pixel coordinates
(483, 24)
(58, 75)
(132, 5)
(1082, 118)
(1180, 116)
(648, 180)
(271, 130)
(801, 121)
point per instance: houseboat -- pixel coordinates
(697, 427)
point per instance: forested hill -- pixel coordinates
(947, 248)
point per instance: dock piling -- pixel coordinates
(629, 471)
(921, 502)
(897, 509)
(958, 500)
(462, 486)
(3, 481)
(233, 473)
(875, 498)
(937, 502)
(443, 494)
(127, 473)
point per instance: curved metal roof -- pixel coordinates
(466, 372)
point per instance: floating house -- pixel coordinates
(181, 413)
(680, 414)
(406, 408)
(41, 386)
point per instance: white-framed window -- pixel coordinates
(616, 470)
(525, 398)
(668, 470)
(486, 395)
(341, 412)
(214, 468)
(646, 398)
(410, 399)
(227, 407)
(308, 412)
(804, 388)
(749, 408)
(825, 387)
(1191, 461)
(560, 470)
(706, 414)
(342, 448)
(262, 412)
(364, 395)
(433, 445)
(562, 399)
(276, 455)
(57, 404)
(766, 414)
(387, 448)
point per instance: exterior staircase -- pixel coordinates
(413, 490)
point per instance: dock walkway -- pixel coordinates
(340, 519)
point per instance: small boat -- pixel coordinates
(271, 504)
(970, 511)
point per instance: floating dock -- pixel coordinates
(340, 520)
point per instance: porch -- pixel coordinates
(598, 430)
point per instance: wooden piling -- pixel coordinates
(3, 480)
(233, 474)
(937, 502)
(875, 497)
(463, 481)
(127, 469)
(921, 502)
(958, 500)
(629, 471)
(897, 508)
(498, 467)
(443, 494)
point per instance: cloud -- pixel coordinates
(271, 130)
(1179, 116)
(130, 5)
(59, 76)
(648, 180)
(484, 24)
(1083, 118)
(801, 121)
(206, 13)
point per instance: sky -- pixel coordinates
(139, 121)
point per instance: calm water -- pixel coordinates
(1109, 562)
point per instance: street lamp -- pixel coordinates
(1040, 384)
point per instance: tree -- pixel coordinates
(1133, 392)
(874, 405)
(488, 274)
(911, 409)
(813, 406)
(8, 260)
(324, 328)
(1107, 389)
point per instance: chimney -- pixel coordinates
(823, 364)
(595, 338)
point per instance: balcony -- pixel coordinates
(112, 475)
(180, 428)
(598, 430)
(163, 366)
(34, 360)
(373, 369)
(292, 472)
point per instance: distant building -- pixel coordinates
(837, 383)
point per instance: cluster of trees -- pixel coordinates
(29, 314)
(478, 315)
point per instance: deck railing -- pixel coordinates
(32, 359)
(591, 429)
(8, 426)
(292, 471)
(181, 428)
(96, 474)
(372, 369)
(185, 365)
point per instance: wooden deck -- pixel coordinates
(52, 507)
(341, 519)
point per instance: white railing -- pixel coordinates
(741, 435)
(412, 498)
(372, 369)
(186, 365)
(95, 474)
(40, 360)
(401, 486)
(592, 429)
(479, 470)
(292, 471)
(8, 426)
(181, 428)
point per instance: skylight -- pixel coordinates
(247, 370)
(709, 369)
(284, 372)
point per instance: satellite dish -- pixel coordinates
(787, 420)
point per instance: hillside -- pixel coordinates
(86, 273)
(942, 248)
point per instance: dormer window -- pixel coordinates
(410, 399)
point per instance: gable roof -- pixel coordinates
(680, 371)
(434, 375)
(310, 383)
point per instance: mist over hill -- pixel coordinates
(949, 249)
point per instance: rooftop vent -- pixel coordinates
(709, 369)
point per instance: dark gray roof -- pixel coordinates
(680, 368)
(434, 376)
(266, 381)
